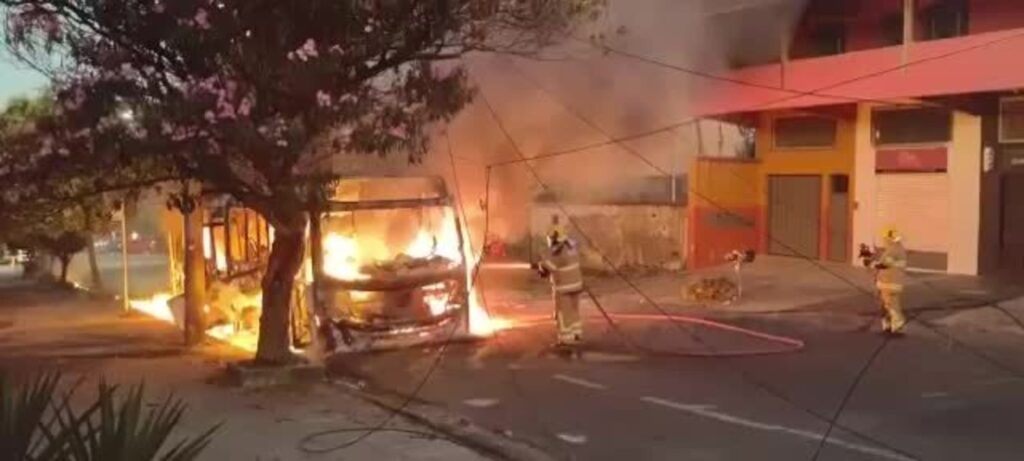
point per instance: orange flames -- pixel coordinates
(344, 258)
(159, 308)
(156, 307)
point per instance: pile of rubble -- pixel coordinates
(716, 289)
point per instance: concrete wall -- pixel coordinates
(630, 236)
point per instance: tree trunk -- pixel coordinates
(285, 261)
(96, 281)
(65, 261)
(195, 278)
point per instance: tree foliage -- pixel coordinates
(253, 97)
(47, 206)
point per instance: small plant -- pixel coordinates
(38, 423)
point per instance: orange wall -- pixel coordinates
(839, 159)
(724, 213)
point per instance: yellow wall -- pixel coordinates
(835, 160)
(727, 182)
(838, 159)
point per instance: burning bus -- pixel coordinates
(387, 265)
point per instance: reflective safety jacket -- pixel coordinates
(564, 270)
(892, 267)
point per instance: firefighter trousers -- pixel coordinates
(567, 318)
(892, 305)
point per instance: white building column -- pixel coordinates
(865, 228)
(965, 193)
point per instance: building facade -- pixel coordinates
(878, 114)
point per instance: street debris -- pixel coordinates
(575, 439)
(481, 402)
(716, 289)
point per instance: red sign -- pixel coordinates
(911, 159)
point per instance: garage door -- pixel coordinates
(917, 204)
(1012, 221)
(794, 214)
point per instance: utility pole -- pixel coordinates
(908, 31)
(125, 305)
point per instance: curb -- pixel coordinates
(458, 428)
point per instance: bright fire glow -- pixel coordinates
(436, 296)
(244, 340)
(159, 308)
(341, 257)
(208, 247)
(345, 256)
(156, 307)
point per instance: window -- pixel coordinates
(840, 184)
(944, 19)
(821, 40)
(804, 131)
(892, 29)
(912, 126)
(1011, 120)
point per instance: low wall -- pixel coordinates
(630, 236)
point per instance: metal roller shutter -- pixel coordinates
(794, 213)
(917, 204)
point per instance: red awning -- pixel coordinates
(972, 64)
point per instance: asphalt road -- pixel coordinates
(925, 396)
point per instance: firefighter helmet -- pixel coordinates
(891, 234)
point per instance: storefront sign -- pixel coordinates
(911, 159)
(1013, 158)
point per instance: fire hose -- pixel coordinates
(789, 344)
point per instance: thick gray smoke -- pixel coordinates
(541, 102)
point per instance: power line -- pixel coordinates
(814, 262)
(815, 92)
(735, 81)
(366, 432)
(730, 80)
(743, 373)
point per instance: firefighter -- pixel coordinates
(891, 265)
(562, 266)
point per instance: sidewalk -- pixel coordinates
(776, 285)
(44, 330)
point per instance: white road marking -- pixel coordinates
(576, 439)
(601, 357)
(709, 411)
(934, 395)
(580, 382)
(481, 403)
(997, 382)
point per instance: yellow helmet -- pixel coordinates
(890, 233)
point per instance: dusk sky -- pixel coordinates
(15, 78)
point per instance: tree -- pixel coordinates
(60, 234)
(250, 97)
(52, 202)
